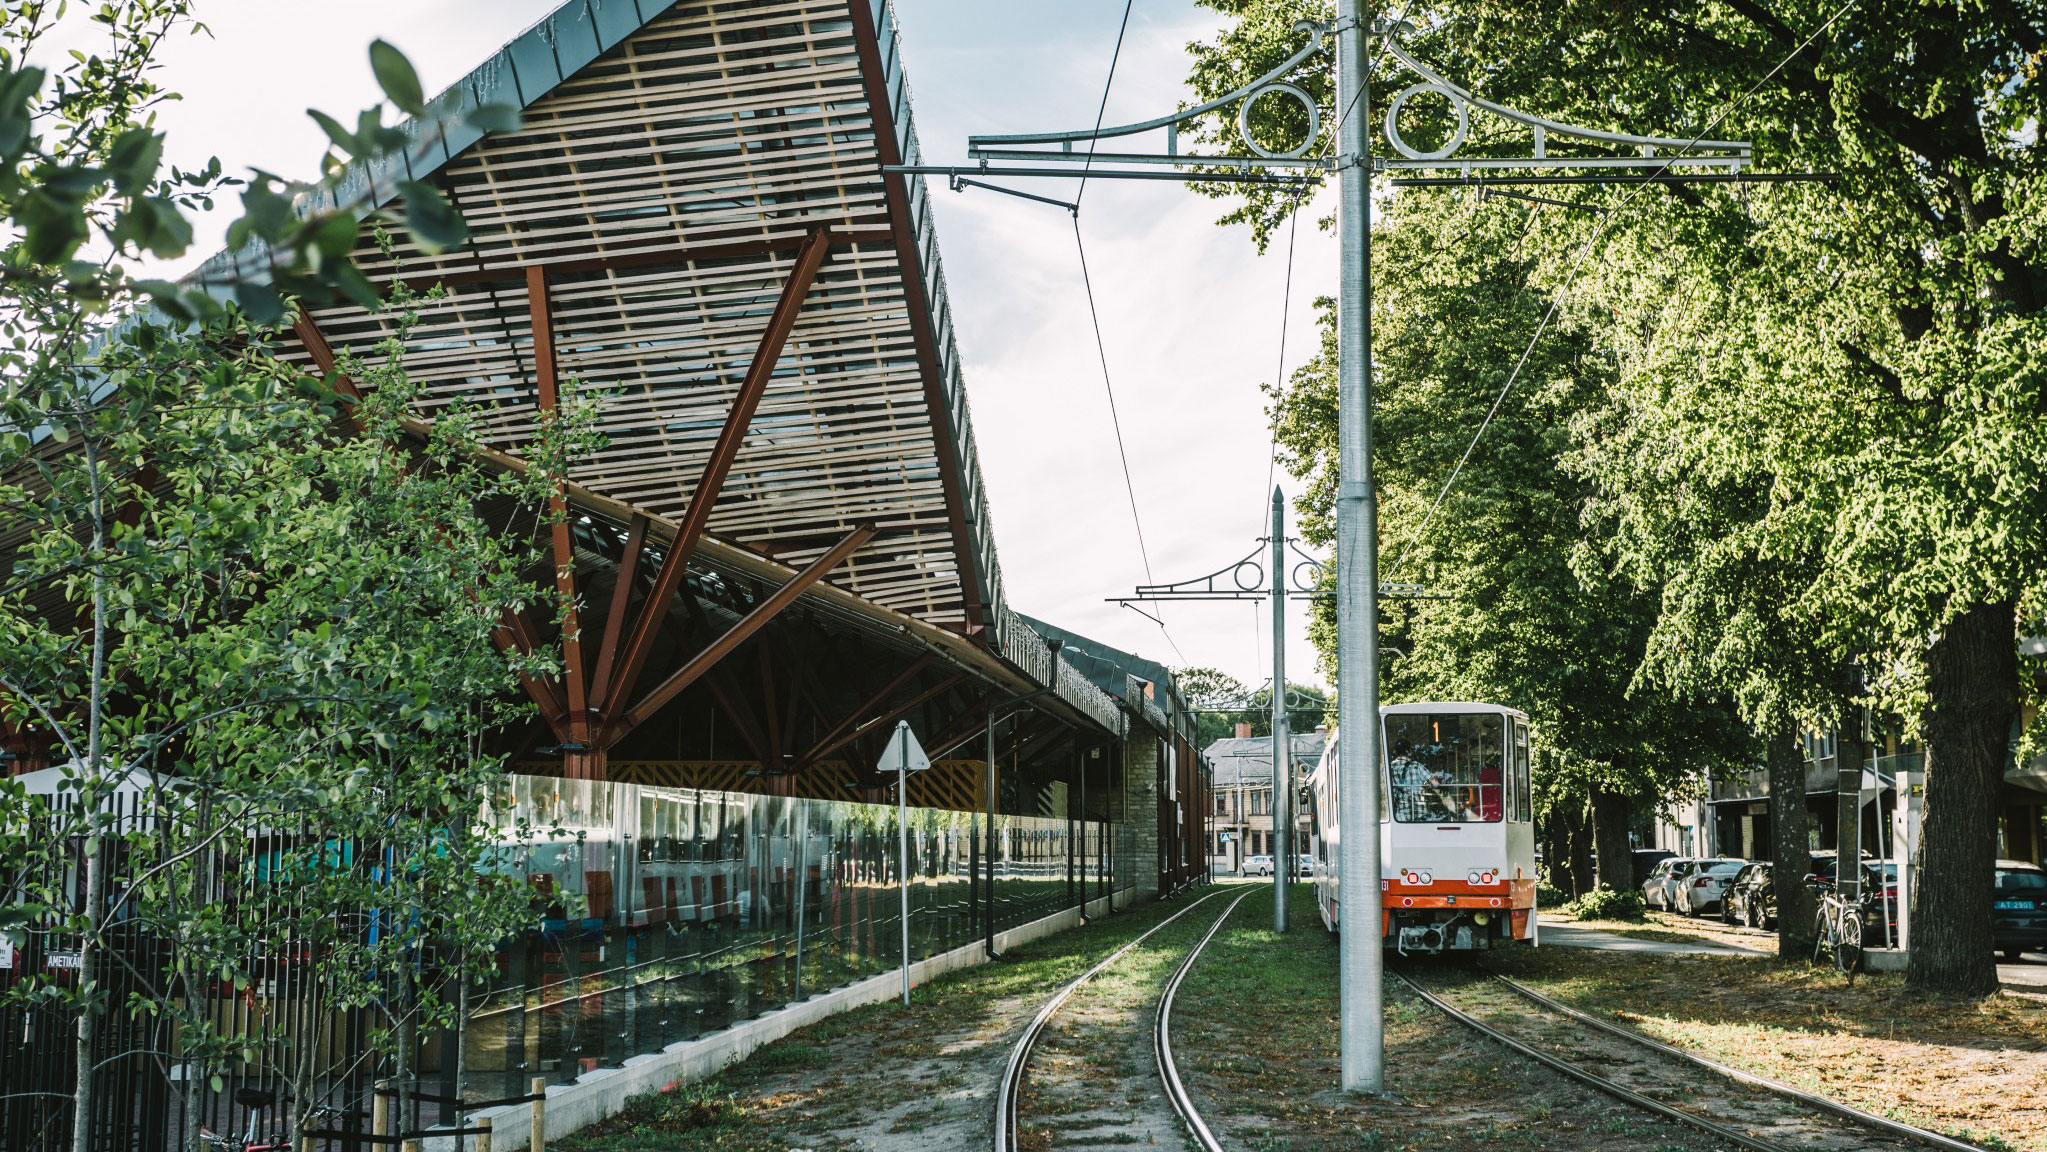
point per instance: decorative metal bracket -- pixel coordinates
(1055, 153)
(1013, 148)
(1728, 154)
(1247, 580)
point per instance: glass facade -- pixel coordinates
(672, 913)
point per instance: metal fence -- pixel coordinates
(667, 914)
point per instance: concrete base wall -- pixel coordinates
(598, 1095)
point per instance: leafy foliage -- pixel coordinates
(1604, 903)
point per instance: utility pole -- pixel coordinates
(1282, 762)
(1362, 961)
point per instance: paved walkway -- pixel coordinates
(1566, 936)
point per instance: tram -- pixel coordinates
(1456, 832)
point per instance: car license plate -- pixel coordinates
(2013, 905)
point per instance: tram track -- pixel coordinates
(1765, 1116)
(1010, 1090)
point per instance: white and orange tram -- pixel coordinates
(1456, 833)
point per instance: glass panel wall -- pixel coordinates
(671, 913)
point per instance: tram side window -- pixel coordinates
(1447, 768)
(1524, 802)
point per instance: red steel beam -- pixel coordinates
(615, 618)
(545, 380)
(648, 625)
(846, 727)
(747, 625)
(322, 353)
(748, 731)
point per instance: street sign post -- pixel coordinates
(904, 755)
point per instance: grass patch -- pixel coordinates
(1971, 1069)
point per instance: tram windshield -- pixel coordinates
(1445, 768)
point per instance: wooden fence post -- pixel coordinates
(539, 1089)
(380, 1110)
(483, 1137)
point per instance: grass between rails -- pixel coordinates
(1976, 1070)
(879, 1076)
(1255, 1033)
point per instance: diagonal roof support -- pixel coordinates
(833, 743)
(846, 727)
(749, 624)
(809, 259)
(515, 634)
(615, 618)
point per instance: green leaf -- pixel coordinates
(52, 227)
(396, 77)
(494, 118)
(434, 223)
(133, 159)
(259, 302)
(342, 138)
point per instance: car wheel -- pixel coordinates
(1726, 913)
(2011, 955)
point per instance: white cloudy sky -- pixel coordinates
(1191, 315)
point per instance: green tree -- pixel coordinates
(267, 599)
(1908, 298)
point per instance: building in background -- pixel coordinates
(1241, 816)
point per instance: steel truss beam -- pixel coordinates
(749, 624)
(625, 678)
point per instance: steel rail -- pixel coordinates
(1796, 1095)
(1010, 1090)
(1162, 1043)
(1590, 1079)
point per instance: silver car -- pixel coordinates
(1257, 865)
(1659, 890)
(1705, 889)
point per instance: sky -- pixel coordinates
(1191, 314)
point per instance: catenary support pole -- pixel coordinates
(1362, 957)
(1282, 787)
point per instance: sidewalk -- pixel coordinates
(1566, 936)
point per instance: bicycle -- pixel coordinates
(1838, 930)
(255, 1100)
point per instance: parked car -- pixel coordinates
(1749, 899)
(1307, 866)
(2018, 909)
(1645, 862)
(1656, 890)
(1257, 865)
(1705, 888)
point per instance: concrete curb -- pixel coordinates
(599, 1095)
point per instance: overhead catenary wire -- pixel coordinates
(1101, 345)
(1578, 262)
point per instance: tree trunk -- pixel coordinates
(1790, 843)
(1972, 693)
(1579, 829)
(1614, 859)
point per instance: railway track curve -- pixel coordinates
(1009, 1091)
(1649, 1074)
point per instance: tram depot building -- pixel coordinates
(784, 549)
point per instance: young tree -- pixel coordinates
(267, 598)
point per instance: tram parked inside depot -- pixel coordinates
(1456, 834)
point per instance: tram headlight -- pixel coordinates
(1481, 919)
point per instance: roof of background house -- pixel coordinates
(1249, 760)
